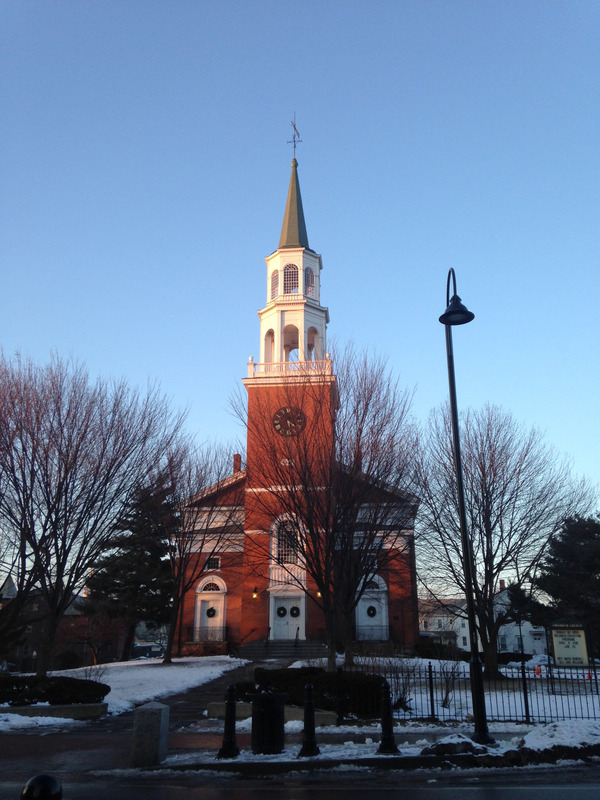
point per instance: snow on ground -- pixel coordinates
(135, 682)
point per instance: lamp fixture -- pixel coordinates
(255, 593)
(456, 313)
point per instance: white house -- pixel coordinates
(446, 621)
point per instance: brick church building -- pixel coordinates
(255, 585)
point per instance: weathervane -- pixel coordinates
(295, 135)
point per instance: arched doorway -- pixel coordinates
(372, 612)
(209, 616)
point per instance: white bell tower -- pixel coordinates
(293, 322)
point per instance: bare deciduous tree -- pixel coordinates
(340, 489)
(72, 452)
(517, 493)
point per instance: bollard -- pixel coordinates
(388, 745)
(309, 741)
(229, 748)
(42, 787)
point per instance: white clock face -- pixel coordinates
(289, 421)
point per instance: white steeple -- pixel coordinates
(293, 323)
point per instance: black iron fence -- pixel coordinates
(207, 633)
(442, 691)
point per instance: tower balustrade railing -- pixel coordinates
(266, 368)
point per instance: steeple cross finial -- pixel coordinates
(295, 135)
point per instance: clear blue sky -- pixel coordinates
(145, 163)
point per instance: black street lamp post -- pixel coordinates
(457, 314)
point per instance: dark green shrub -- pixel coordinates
(26, 690)
(509, 658)
(358, 692)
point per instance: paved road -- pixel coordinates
(556, 783)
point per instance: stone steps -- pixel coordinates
(292, 650)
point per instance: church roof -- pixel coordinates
(293, 230)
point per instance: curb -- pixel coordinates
(512, 758)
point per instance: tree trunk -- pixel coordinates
(128, 642)
(490, 660)
(348, 639)
(331, 651)
(168, 656)
(42, 664)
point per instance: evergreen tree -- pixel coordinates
(133, 582)
(570, 574)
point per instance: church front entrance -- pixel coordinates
(372, 613)
(287, 617)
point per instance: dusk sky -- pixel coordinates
(145, 164)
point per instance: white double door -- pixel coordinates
(372, 616)
(287, 617)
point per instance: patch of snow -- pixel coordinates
(567, 733)
(135, 682)
(14, 722)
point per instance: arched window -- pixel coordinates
(274, 284)
(313, 345)
(287, 543)
(290, 279)
(269, 346)
(211, 587)
(309, 282)
(290, 343)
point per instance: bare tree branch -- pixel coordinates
(517, 492)
(71, 454)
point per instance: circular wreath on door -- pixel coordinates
(371, 611)
(294, 611)
(210, 612)
(281, 611)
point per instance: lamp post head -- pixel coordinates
(456, 313)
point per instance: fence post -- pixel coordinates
(525, 693)
(431, 695)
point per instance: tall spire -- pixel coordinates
(293, 230)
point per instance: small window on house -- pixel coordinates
(309, 282)
(287, 544)
(211, 587)
(213, 562)
(463, 624)
(425, 624)
(274, 284)
(464, 641)
(290, 279)
(439, 624)
(502, 644)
